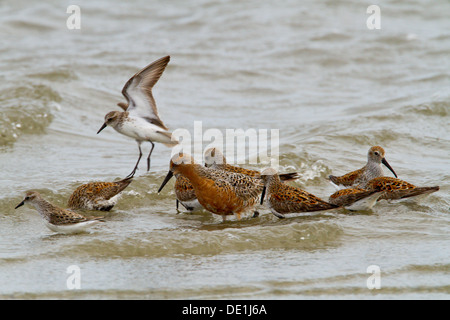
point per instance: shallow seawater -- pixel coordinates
(332, 87)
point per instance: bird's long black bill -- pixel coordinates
(103, 127)
(20, 204)
(263, 195)
(166, 179)
(384, 161)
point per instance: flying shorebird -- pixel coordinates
(140, 119)
(359, 178)
(58, 219)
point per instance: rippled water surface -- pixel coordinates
(311, 69)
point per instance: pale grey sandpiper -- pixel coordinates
(140, 120)
(359, 178)
(58, 219)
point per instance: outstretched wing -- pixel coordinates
(138, 92)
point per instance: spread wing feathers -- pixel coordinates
(296, 200)
(123, 105)
(138, 92)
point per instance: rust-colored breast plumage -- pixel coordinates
(219, 197)
(224, 192)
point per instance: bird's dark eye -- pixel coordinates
(376, 153)
(27, 198)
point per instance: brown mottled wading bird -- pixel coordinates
(381, 188)
(286, 201)
(220, 192)
(101, 196)
(214, 159)
(58, 219)
(185, 194)
(360, 177)
(140, 119)
(396, 189)
(355, 199)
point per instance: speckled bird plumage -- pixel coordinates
(360, 177)
(283, 199)
(395, 189)
(220, 192)
(58, 219)
(97, 195)
(185, 194)
(215, 159)
(355, 198)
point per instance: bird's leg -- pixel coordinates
(136, 166)
(148, 158)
